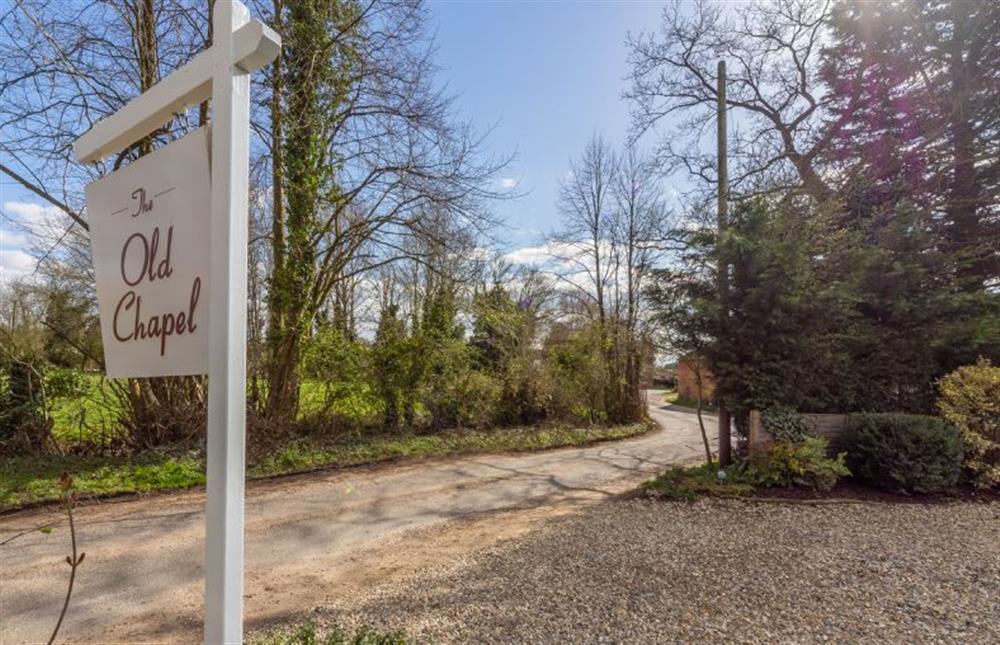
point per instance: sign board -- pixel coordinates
(149, 235)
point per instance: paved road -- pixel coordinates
(142, 577)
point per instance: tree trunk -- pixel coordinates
(963, 197)
(701, 422)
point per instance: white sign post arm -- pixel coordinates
(254, 45)
(227, 333)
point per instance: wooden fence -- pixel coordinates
(831, 426)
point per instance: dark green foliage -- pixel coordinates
(502, 350)
(24, 424)
(438, 362)
(801, 463)
(908, 452)
(576, 362)
(785, 424)
(390, 367)
(73, 338)
(824, 318)
(789, 309)
(865, 293)
(915, 85)
(430, 378)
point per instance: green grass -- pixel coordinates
(690, 483)
(672, 397)
(25, 480)
(307, 454)
(88, 411)
(309, 634)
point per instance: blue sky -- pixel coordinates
(549, 74)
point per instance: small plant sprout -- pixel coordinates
(73, 560)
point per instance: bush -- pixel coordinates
(906, 452)
(785, 424)
(798, 463)
(970, 400)
(476, 398)
(680, 483)
(64, 383)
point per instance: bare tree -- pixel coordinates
(613, 230)
(639, 219)
(783, 114)
(586, 203)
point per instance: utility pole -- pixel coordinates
(725, 439)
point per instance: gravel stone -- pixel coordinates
(644, 571)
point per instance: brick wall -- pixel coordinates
(687, 382)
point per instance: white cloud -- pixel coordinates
(20, 221)
(555, 254)
(15, 264)
(507, 183)
(530, 255)
(32, 213)
(10, 238)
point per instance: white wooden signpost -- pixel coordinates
(136, 252)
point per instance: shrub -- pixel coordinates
(64, 383)
(680, 483)
(798, 463)
(785, 424)
(476, 397)
(906, 452)
(970, 400)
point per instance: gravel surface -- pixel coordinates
(642, 571)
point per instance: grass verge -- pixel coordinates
(672, 397)
(28, 480)
(690, 483)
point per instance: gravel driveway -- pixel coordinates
(642, 571)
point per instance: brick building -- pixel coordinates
(687, 381)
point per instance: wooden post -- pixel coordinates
(227, 333)
(725, 432)
(755, 430)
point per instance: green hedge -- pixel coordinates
(908, 452)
